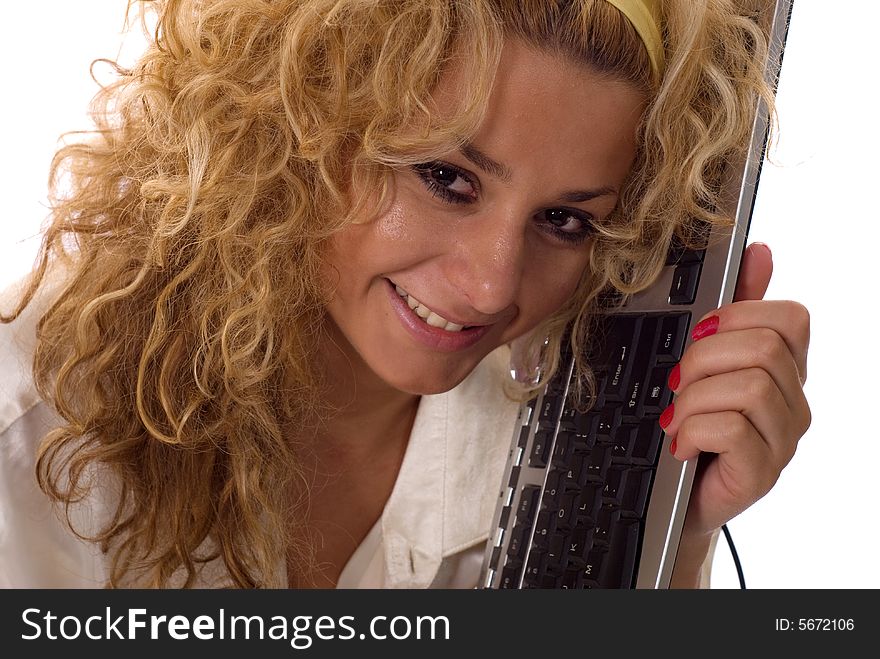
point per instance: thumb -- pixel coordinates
(754, 273)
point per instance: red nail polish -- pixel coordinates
(672, 446)
(666, 417)
(675, 377)
(705, 328)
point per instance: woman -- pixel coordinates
(298, 248)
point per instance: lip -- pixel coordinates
(432, 337)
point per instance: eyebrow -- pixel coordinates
(487, 164)
(504, 174)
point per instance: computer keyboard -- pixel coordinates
(587, 521)
(592, 499)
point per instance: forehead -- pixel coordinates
(545, 107)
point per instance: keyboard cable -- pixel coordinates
(739, 571)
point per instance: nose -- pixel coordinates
(489, 263)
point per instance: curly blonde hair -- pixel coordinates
(181, 353)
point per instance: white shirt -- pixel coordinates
(432, 531)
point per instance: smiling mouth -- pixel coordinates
(428, 316)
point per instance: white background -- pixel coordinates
(816, 210)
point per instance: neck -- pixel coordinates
(372, 417)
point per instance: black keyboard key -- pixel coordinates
(684, 283)
(617, 334)
(590, 502)
(659, 394)
(528, 501)
(585, 427)
(673, 333)
(608, 518)
(600, 460)
(549, 581)
(536, 567)
(570, 579)
(618, 568)
(540, 449)
(608, 420)
(555, 550)
(550, 407)
(583, 444)
(612, 493)
(634, 499)
(635, 386)
(568, 418)
(576, 474)
(566, 513)
(579, 543)
(562, 449)
(646, 443)
(510, 576)
(592, 568)
(621, 332)
(553, 488)
(517, 539)
(543, 528)
(623, 441)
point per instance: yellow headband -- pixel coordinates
(645, 17)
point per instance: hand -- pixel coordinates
(740, 400)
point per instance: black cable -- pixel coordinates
(739, 570)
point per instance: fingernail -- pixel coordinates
(705, 328)
(666, 417)
(675, 377)
(767, 247)
(672, 446)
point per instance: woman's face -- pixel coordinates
(494, 237)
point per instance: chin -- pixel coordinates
(424, 382)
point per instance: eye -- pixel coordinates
(567, 224)
(447, 182)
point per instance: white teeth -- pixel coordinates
(433, 319)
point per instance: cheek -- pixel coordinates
(377, 246)
(393, 226)
(548, 287)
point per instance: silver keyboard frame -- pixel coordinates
(673, 479)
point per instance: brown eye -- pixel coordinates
(563, 219)
(444, 175)
(447, 182)
(566, 224)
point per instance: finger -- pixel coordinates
(752, 393)
(789, 319)
(739, 350)
(736, 467)
(754, 273)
